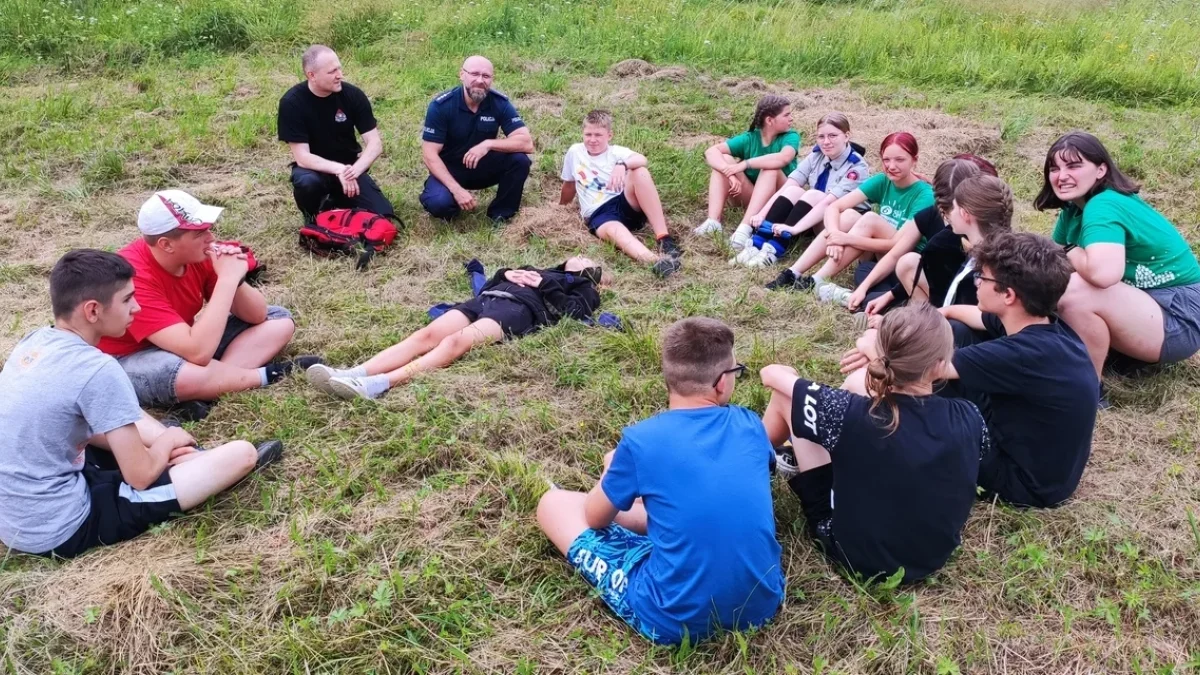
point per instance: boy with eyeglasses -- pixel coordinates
(1030, 376)
(679, 533)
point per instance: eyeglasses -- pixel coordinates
(977, 275)
(486, 77)
(736, 370)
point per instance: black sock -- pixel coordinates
(780, 208)
(798, 211)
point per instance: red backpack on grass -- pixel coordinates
(348, 232)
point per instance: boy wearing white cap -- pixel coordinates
(172, 352)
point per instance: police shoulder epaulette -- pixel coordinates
(853, 158)
(816, 149)
(499, 94)
(444, 95)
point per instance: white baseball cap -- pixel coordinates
(175, 209)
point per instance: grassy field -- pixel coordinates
(398, 537)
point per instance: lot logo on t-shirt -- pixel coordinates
(340, 116)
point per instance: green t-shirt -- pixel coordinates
(749, 144)
(896, 205)
(1156, 255)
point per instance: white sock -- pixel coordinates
(376, 385)
(356, 371)
(819, 280)
(262, 375)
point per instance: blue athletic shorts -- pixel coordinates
(606, 558)
(619, 209)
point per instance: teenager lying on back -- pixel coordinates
(901, 461)
(512, 304)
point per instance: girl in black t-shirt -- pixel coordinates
(915, 234)
(885, 471)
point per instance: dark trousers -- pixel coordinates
(506, 170)
(310, 188)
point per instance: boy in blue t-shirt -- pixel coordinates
(679, 533)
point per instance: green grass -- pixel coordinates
(398, 537)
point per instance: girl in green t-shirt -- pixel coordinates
(1136, 286)
(751, 166)
(897, 195)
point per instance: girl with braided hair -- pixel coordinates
(751, 166)
(902, 462)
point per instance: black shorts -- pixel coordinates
(815, 490)
(119, 512)
(619, 209)
(515, 319)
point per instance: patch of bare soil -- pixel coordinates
(558, 224)
(543, 105)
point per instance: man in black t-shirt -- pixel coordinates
(317, 119)
(1032, 379)
(461, 148)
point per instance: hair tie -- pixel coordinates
(887, 363)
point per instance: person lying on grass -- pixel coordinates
(941, 272)
(81, 465)
(835, 167)
(616, 194)
(1136, 287)
(1026, 370)
(753, 165)
(678, 535)
(897, 194)
(513, 304)
(901, 461)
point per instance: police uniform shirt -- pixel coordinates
(450, 122)
(845, 172)
(327, 123)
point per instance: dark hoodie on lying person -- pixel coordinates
(521, 310)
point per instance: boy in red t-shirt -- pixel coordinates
(172, 352)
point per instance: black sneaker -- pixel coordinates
(277, 370)
(668, 247)
(786, 279)
(269, 452)
(665, 267)
(191, 411)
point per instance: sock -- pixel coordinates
(376, 385)
(265, 376)
(778, 247)
(778, 213)
(800, 210)
(818, 280)
(356, 371)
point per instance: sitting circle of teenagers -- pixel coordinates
(977, 377)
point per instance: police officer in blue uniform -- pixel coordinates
(461, 148)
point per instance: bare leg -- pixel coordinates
(870, 225)
(642, 195)
(420, 342)
(618, 235)
(819, 201)
(257, 345)
(776, 418)
(768, 182)
(205, 383)
(560, 515)
(816, 250)
(213, 471)
(1121, 317)
(906, 270)
(449, 350)
(718, 190)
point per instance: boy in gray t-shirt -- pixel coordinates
(64, 403)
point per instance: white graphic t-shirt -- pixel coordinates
(591, 174)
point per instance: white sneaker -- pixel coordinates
(708, 227)
(785, 462)
(747, 255)
(348, 388)
(832, 293)
(765, 258)
(319, 376)
(741, 237)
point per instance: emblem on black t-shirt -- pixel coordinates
(340, 116)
